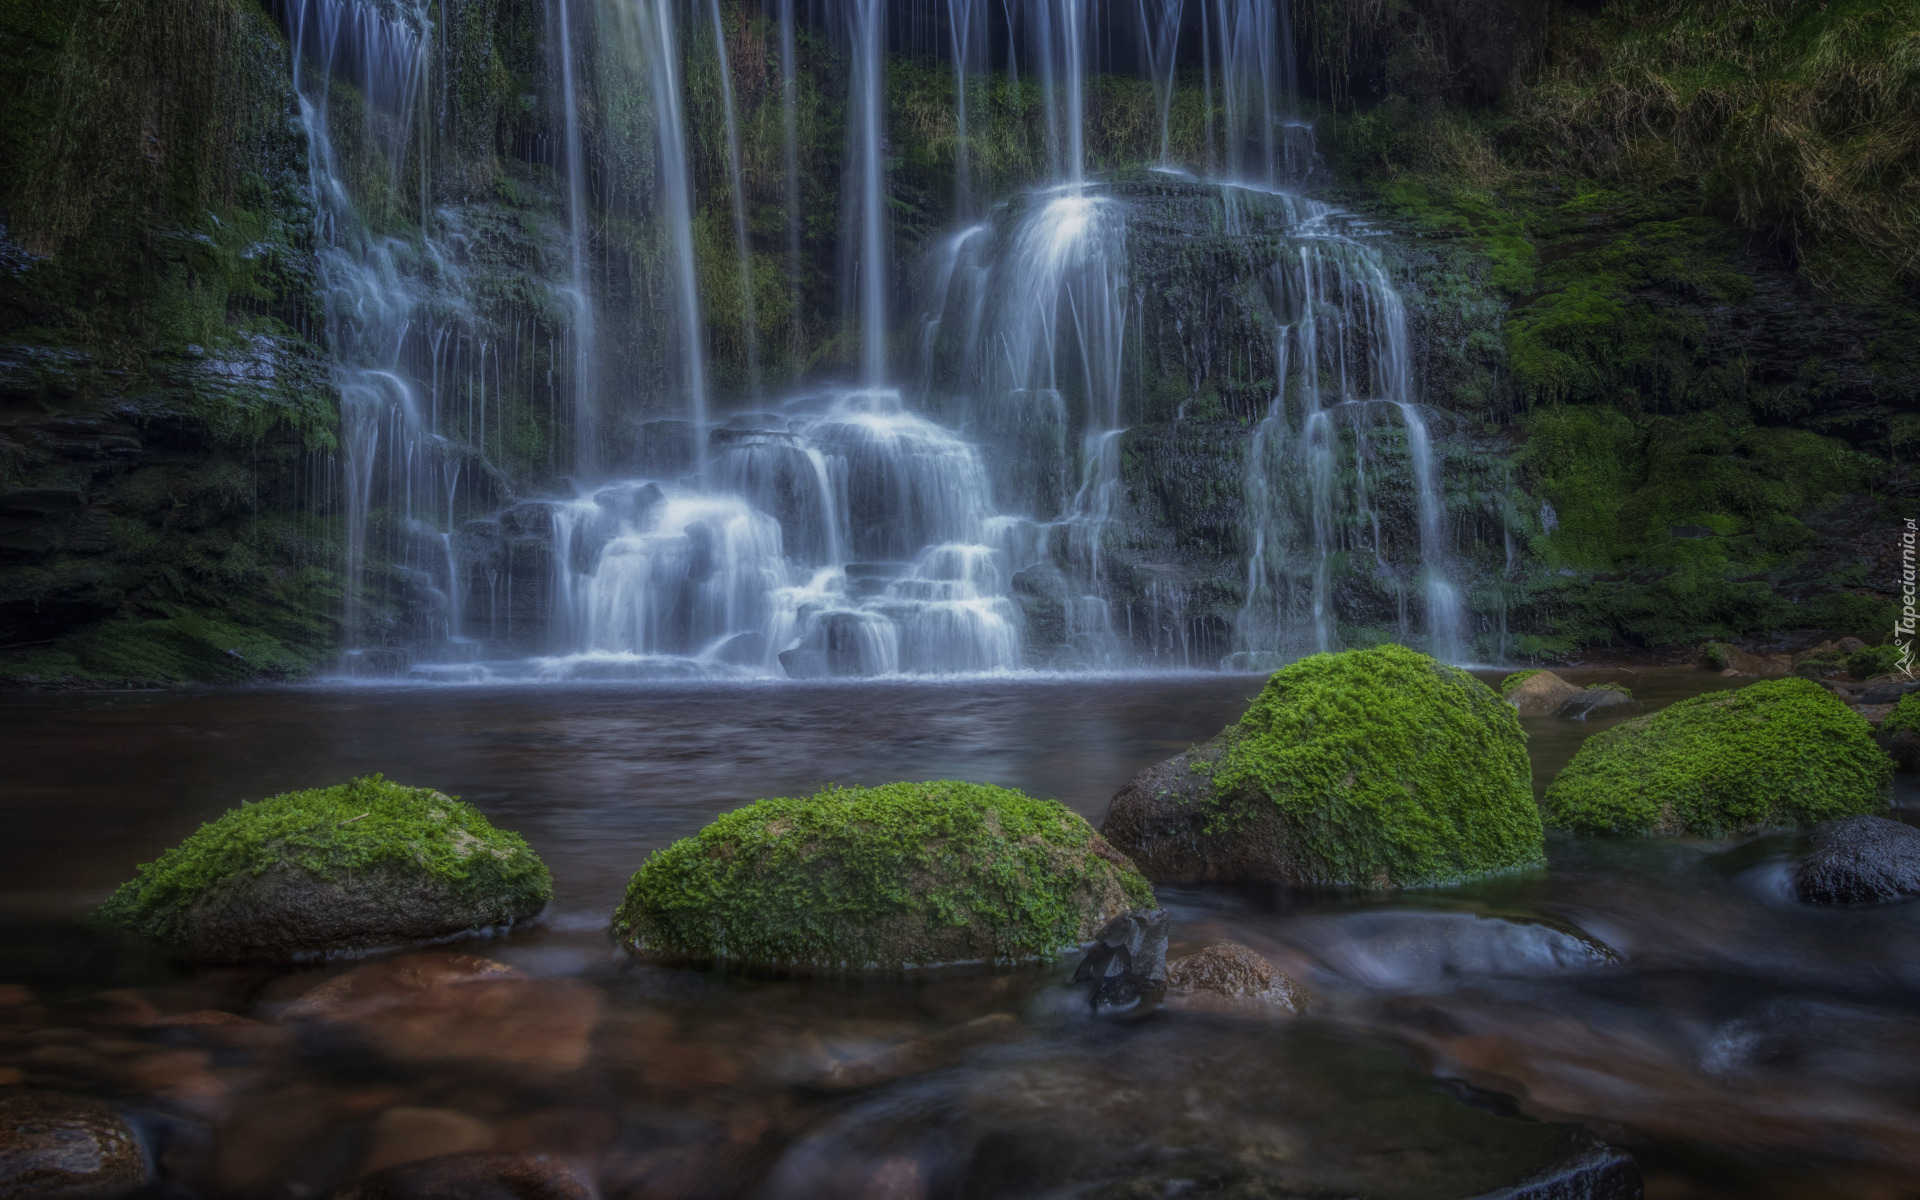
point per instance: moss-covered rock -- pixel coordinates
(1773, 755)
(902, 875)
(332, 871)
(1378, 767)
(1537, 693)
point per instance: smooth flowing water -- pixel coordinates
(1667, 995)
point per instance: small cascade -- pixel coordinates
(845, 536)
(1327, 483)
(738, 194)
(1160, 48)
(866, 133)
(586, 421)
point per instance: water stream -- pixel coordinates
(1666, 994)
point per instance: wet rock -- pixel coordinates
(1342, 739)
(1594, 1171)
(405, 1134)
(1124, 974)
(52, 1144)
(1730, 658)
(481, 1176)
(1539, 693)
(1778, 754)
(1861, 860)
(1413, 950)
(1599, 700)
(344, 870)
(1901, 745)
(906, 874)
(1231, 977)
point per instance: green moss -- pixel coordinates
(1611, 687)
(1393, 769)
(1515, 680)
(1772, 755)
(330, 832)
(1905, 714)
(1873, 660)
(902, 874)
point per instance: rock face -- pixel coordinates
(66, 1146)
(1537, 693)
(907, 874)
(1125, 972)
(1377, 768)
(1232, 977)
(1861, 860)
(343, 870)
(1775, 755)
(1598, 700)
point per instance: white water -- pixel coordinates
(845, 533)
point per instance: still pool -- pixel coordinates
(1667, 997)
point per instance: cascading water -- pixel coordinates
(1343, 365)
(845, 534)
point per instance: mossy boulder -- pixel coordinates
(1537, 693)
(1377, 768)
(1780, 754)
(890, 877)
(333, 871)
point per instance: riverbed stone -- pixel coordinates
(1732, 659)
(76, 1148)
(1861, 860)
(1124, 974)
(890, 877)
(1537, 693)
(1602, 699)
(1232, 977)
(1778, 754)
(477, 1176)
(332, 871)
(1376, 768)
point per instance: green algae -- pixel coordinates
(1389, 768)
(905, 874)
(1780, 754)
(330, 833)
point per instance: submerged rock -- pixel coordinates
(1773, 755)
(341, 870)
(1232, 977)
(477, 1176)
(1377, 768)
(1537, 693)
(903, 875)
(53, 1144)
(1125, 972)
(1606, 699)
(1861, 860)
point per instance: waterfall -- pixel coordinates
(586, 421)
(662, 47)
(1343, 363)
(866, 125)
(1160, 45)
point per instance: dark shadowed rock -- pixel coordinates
(1231, 977)
(1903, 746)
(1125, 973)
(1861, 860)
(53, 1144)
(1600, 701)
(482, 1176)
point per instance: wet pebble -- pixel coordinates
(53, 1144)
(477, 1176)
